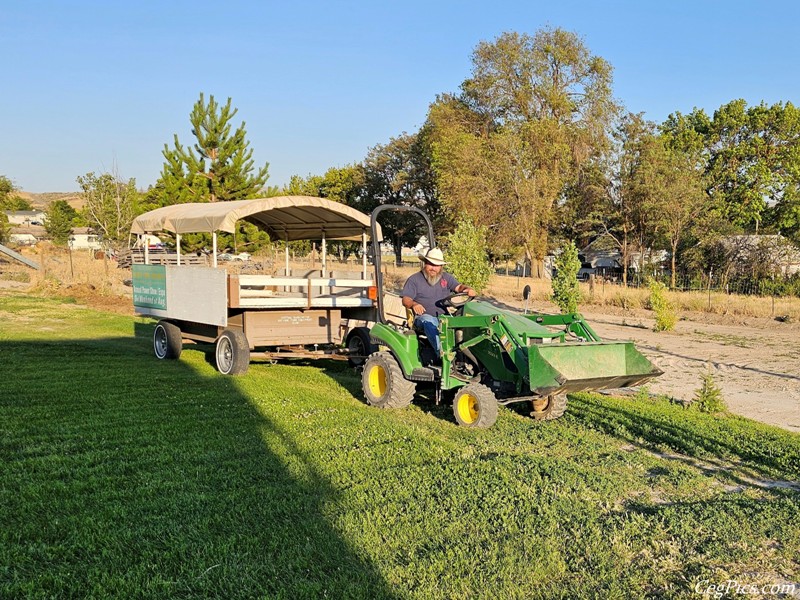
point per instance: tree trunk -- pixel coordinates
(672, 277)
(624, 258)
(398, 252)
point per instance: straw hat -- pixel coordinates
(433, 256)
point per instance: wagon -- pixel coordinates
(318, 313)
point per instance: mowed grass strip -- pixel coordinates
(125, 476)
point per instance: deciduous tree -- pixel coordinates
(9, 199)
(535, 110)
(109, 205)
(60, 216)
(399, 172)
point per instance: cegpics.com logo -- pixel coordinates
(732, 587)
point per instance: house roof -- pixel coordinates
(23, 213)
(35, 230)
(283, 217)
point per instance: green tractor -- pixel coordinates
(493, 356)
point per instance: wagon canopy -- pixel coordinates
(282, 217)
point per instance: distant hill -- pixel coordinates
(42, 201)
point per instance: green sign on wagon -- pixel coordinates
(150, 286)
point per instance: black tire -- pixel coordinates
(167, 341)
(554, 408)
(359, 347)
(383, 382)
(232, 352)
(475, 406)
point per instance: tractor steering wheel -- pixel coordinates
(456, 301)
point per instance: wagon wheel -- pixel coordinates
(232, 352)
(550, 408)
(475, 406)
(384, 384)
(167, 341)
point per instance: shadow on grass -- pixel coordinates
(130, 477)
(694, 438)
(350, 379)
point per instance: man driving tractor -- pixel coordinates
(424, 291)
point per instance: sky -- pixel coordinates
(102, 86)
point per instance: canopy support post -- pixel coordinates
(146, 238)
(324, 255)
(214, 248)
(178, 248)
(364, 254)
(286, 237)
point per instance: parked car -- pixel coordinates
(585, 271)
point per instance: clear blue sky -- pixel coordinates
(103, 85)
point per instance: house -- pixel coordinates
(26, 235)
(83, 238)
(773, 250)
(603, 257)
(25, 218)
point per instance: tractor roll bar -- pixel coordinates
(376, 245)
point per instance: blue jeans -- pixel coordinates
(430, 327)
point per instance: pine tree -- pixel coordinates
(220, 165)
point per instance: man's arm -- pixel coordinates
(461, 288)
(408, 293)
(415, 306)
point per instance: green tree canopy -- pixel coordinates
(218, 167)
(109, 206)
(533, 114)
(467, 257)
(566, 291)
(399, 172)
(60, 220)
(9, 199)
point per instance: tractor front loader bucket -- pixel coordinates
(563, 368)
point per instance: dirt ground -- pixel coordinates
(755, 361)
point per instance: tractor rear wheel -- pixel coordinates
(167, 341)
(475, 406)
(359, 346)
(383, 382)
(550, 408)
(232, 352)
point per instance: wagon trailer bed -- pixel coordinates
(278, 316)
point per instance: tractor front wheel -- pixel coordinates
(550, 408)
(475, 406)
(383, 382)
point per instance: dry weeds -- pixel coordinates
(98, 282)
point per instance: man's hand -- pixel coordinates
(418, 308)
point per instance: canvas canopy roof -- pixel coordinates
(282, 217)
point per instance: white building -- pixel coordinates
(25, 218)
(83, 238)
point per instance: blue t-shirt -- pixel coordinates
(418, 288)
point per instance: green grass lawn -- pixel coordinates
(124, 476)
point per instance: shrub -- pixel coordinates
(666, 317)
(467, 257)
(566, 291)
(708, 397)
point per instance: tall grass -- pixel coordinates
(124, 476)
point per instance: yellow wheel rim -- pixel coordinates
(377, 381)
(467, 407)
